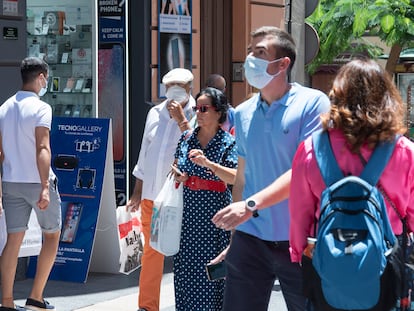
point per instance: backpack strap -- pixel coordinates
(378, 161)
(325, 158)
(330, 170)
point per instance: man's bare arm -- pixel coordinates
(236, 213)
(43, 158)
(135, 199)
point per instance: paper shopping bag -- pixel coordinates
(131, 240)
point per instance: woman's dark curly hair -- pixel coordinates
(365, 105)
(218, 101)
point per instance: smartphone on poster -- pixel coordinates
(71, 222)
(176, 170)
(216, 271)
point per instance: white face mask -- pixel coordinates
(177, 93)
(255, 71)
(43, 90)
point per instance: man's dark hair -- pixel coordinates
(31, 67)
(218, 101)
(284, 44)
(217, 81)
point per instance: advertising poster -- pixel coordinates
(79, 148)
(112, 90)
(174, 37)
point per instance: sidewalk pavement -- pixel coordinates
(113, 292)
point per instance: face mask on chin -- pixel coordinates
(255, 71)
(177, 93)
(43, 90)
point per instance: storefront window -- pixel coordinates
(63, 35)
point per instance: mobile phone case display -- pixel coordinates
(67, 50)
(405, 82)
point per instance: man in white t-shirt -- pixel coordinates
(28, 182)
(164, 125)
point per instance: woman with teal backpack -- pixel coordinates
(366, 110)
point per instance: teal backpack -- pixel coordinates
(356, 260)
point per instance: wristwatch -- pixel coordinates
(251, 206)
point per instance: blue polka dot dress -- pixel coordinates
(201, 241)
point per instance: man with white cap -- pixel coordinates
(164, 125)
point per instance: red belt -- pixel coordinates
(197, 183)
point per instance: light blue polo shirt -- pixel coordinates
(267, 138)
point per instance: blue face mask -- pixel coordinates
(255, 71)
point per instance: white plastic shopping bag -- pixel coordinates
(167, 215)
(131, 240)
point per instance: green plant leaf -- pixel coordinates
(360, 22)
(342, 25)
(387, 23)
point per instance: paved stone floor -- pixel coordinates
(114, 292)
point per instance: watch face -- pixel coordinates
(251, 205)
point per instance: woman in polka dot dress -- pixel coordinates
(207, 157)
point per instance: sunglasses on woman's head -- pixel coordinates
(202, 108)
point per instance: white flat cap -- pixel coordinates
(178, 75)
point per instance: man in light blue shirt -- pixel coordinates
(269, 127)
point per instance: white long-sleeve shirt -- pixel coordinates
(161, 135)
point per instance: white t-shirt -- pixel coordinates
(159, 142)
(19, 117)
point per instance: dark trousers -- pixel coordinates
(252, 268)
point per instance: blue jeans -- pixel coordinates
(252, 268)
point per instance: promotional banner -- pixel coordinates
(174, 37)
(80, 152)
(112, 87)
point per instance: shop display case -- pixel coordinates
(61, 36)
(84, 43)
